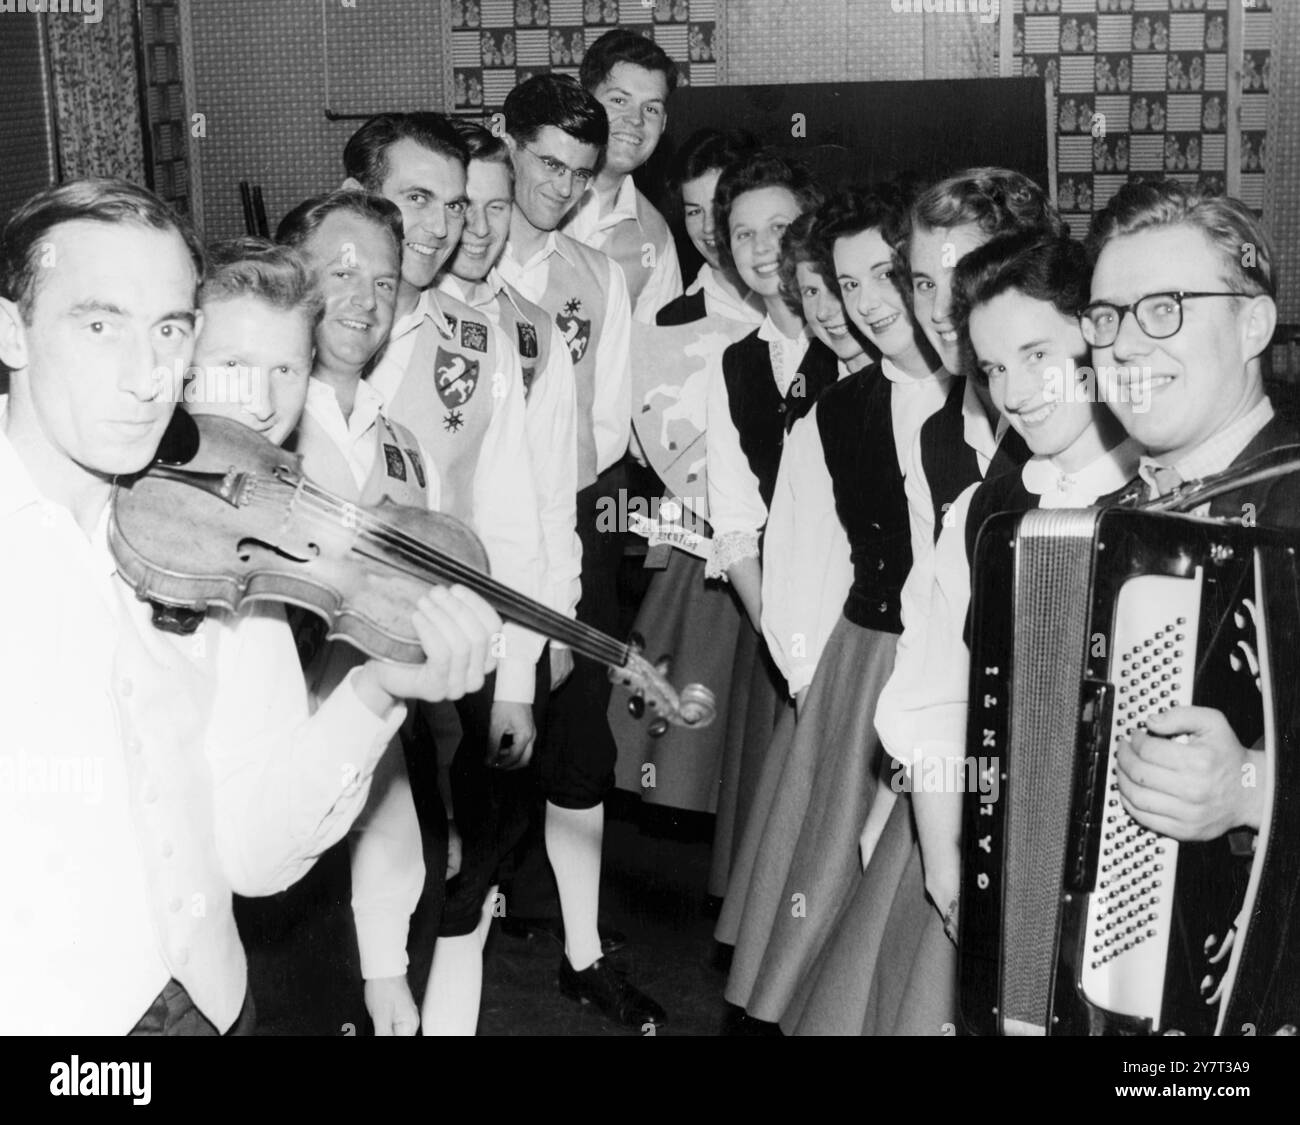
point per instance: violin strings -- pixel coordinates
(582, 637)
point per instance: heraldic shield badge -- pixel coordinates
(671, 368)
(576, 332)
(455, 377)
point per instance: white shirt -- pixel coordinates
(587, 224)
(1215, 454)
(144, 776)
(736, 508)
(720, 301)
(611, 407)
(938, 670)
(807, 571)
(552, 418)
(354, 436)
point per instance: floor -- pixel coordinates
(306, 978)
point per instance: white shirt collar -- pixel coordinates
(976, 429)
(896, 374)
(323, 405)
(585, 219)
(717, 298)
(1219, 451)
(1107, 473)
(552, 245)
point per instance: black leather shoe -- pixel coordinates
(608, 989)
(529, 929)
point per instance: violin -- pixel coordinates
(224, 516)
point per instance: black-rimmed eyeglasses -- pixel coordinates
(1159, 315)
(557, 169)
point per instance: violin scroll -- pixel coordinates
(694, 707)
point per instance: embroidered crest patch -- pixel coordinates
(473, 335)
(527, 341)
(575, 330)
(417, 465)
(455, 377)
(394, 463)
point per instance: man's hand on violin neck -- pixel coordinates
(455, 627)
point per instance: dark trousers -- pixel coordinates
(576, 762)
(174, 1013)
(494, 807)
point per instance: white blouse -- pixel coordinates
(937, 673)
(736, 508)
(807, 572)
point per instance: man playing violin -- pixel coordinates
(186, 767)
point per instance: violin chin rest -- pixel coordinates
(180, 441)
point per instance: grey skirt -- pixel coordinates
(888, 968)
(798, 860)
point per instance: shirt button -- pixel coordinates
(126, 687)
(880, 564)
(780, 408)
(182, 957)
(135, 745)
(174, 906)
(150, 795)
(884, 606)
(167, 849)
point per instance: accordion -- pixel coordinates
(1075, 919)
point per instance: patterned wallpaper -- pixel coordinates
(496, 44)
(166, 126)
(1141, 92)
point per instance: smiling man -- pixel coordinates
(455, 381)
(556, 132)
(632, 77)
(1182, 301)
(215, 779)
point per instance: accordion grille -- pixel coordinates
(1051, 607)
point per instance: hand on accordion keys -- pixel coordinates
(1187, 777)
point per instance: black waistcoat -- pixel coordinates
(761, 415)
(856, 424)
(951, 466)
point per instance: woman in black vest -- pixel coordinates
(1016, 300)
(769, 379)
(836, 552)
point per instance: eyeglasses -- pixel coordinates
(1159, 315)
(557, 169)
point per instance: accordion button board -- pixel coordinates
(1130, 909)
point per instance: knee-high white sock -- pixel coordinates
(573, 841)
(455, 989)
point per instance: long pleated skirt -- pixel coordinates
(702, 626)
(888, 968)
(798, 861)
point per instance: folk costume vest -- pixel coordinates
(575, 299)
(762, 415)
(856, 426)
(951, 465)
(446, 397)
(528, 328)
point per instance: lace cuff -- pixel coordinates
(729, 549)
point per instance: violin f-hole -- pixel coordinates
(247, 546)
